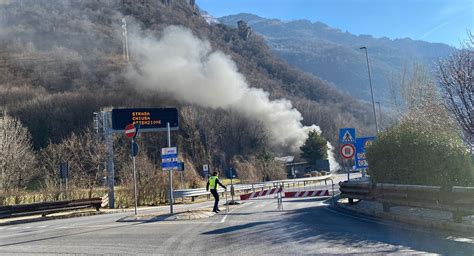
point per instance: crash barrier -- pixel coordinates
(457, 200)
(307, 193)
(261, 193)
(45, 208)
(246, 188)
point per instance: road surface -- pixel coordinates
(305, 226)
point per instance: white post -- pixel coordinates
(110, 158)
(134, 177)
(170, 172)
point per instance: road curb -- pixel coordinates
(434, 224)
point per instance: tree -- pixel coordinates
(315, 147)
(456, 74)
(17, 159)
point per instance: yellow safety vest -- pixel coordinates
(213, 182)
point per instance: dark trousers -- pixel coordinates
(216, 199)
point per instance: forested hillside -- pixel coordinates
(334, 55)
(62, 60)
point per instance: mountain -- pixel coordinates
(62, 60)
(334, 55)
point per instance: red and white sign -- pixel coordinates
(347, 151)
(130, 130)
(307, 193)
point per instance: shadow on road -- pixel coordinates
(319, 225)
(236, 228)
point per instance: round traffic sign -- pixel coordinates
(347, 151)
(130, 130)
(134, 150)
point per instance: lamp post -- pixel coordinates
(371, 89)
(380, 115)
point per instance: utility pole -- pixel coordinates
(371, 88)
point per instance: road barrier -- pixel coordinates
(457, 200)
(307, 193)
(246, 188)
(48, 207)
(261, 193)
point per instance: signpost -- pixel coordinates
(169, 161)
(63, 175)
(347, 139)
(361, 158)
(131, 131)
(121, 120)
(205, 170)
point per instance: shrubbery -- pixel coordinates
(406, 154)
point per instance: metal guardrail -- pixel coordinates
(457, 200)
(45, 208)
(239, 187)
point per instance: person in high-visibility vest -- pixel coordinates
(212, 184)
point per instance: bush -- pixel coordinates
(407, 155)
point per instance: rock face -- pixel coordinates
(244, 30)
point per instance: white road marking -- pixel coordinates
(42, 226)
(225, 217)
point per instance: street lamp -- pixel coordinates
(371, 89)
(380, 114)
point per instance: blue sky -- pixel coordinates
(442, 21)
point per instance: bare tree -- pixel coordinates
(417, 101)
(17, 159)
(456, 74)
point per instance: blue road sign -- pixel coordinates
(180, 166)
(134, 150)
(169, 165)
(361, 146)
(169, 158)
(347, 136)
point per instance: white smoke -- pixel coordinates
(181, 65)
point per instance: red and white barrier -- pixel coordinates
(260, 193)
(307, 193)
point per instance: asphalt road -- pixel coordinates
(305, 226)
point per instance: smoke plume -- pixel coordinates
(181, 65)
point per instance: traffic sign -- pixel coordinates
(149, 119)
(169, 151)
(180, 166)
(361, 146)
(134, 150)
(347, 136)
(130, 130)
(347, 151)
(169, 165)
(205, 169)
(169, 158)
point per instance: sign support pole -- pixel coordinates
(348, 170)
(110, 159)
(170, 171)
(134, 179)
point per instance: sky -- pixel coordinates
(440, 21)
